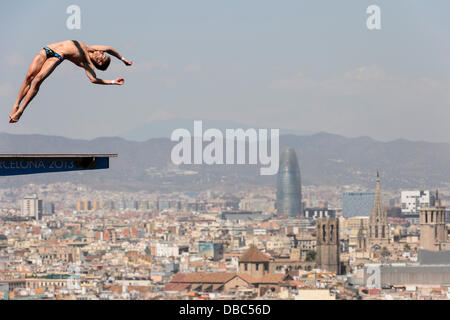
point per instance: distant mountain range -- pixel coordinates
(325, 159)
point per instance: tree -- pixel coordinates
(311, 256)
(385, 252)
(406, 248)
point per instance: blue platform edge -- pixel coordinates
(24, 166)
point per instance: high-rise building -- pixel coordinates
(378, 225)
(357, 204)
(413, 201)
(97, 205)
(289, 189)
(32, 207)
(49, 208)
(84, 205)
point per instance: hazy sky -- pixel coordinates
(306, 65)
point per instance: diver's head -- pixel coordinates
(100, 60)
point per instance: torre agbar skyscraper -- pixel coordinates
(289, 188)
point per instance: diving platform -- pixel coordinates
(25, 164)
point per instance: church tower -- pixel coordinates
(433, 231)
(254, 263)
(378, 225)
(361, 238)
(327, 244)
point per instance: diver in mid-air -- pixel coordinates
(84, 56)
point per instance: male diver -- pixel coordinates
(43, 64)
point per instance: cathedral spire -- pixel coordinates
(378, 206)
(378, 226)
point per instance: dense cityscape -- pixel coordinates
(290, 242)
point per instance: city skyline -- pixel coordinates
(182, 246)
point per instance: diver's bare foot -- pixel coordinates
(11, 120)
(16, 117)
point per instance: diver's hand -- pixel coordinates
(119, 81)
(127, 62)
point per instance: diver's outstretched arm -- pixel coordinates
(112, 52)
(93, 77)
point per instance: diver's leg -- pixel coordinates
(48, 67)
(33, 70)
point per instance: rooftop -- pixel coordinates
(253, 254)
